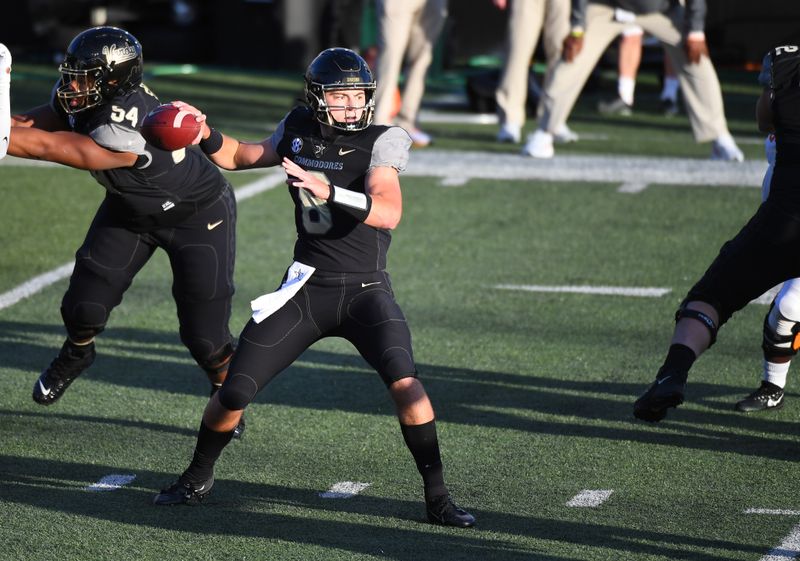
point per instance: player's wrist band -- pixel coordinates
(213, 143)
(355, 204)
(576, 32)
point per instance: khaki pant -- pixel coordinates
(526, 20)
(699, 84)
(407, 29)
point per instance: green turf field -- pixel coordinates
(533, 391)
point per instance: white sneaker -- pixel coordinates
(509, 133)
(724, 148)
(419, 138)
(539, 145)
(565, 135)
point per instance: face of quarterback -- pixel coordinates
(346, 106)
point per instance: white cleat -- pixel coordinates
(509, 133)
(565, 135)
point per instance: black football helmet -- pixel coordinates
(100, 63)
(339, 69)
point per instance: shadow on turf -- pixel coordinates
(248, 510)
(332, 381)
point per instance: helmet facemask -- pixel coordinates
(315, 94)
(80, 88)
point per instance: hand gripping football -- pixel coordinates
(170, 128)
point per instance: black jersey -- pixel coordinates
(784, 68)
(327, 237)
(162, 188)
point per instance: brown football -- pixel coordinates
(170, 128)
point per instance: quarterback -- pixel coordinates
(343, 180)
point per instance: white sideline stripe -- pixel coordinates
(590, 168)
(111, 482)
(788, 549)
(777, 511)
(606, 290)
(344, 490)
(590, 498)
(38, 283)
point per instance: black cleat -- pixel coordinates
(767, 396)
(442, 510)
(667, 391)
(184, 492)
(71, 361)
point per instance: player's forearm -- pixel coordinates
(384, 214)
(67, 148)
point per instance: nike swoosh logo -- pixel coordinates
(342, 151)
(213, 225)
(45, 391)
(773, 402)
(664, 379)
(365, 284)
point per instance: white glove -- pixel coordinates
(5, 98)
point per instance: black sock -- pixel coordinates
(679, 357)
(424, 446)
(210, 444)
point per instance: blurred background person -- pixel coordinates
(527, 20)
(595, 24)
(407, 32)
(629, 60)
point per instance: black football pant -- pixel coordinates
(765, 252)
(201, 254)
(359, 307)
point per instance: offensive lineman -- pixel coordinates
(177, 201)
(343, 179)
(753, 261)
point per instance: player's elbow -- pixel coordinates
(389, 220)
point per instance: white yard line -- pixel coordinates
(604, 290)
(344, 490)
(30, 287)
(774, 511)
(589, 498)
(789, 548)
(111, 482)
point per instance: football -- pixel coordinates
(170, 128)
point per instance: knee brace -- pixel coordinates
(686, 313)
(781, 335)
